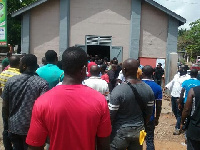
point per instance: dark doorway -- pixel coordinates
(101, 51)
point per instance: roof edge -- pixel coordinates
(181, 20)
(26, 8)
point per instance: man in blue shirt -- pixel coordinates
(147, 78)
(187, 85)
(50, 72)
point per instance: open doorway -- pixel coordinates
(101, 51)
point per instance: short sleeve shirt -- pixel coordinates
(123, 101)
(97, 84)
(51, 73)
(72, 116)
(20, 93)
(188, 84)
(157, 90)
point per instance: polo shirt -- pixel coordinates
(188, 84)
(157, 90)
(5, 75)
(51, 73)
(20, 93)
(72, 116)
(97, 84)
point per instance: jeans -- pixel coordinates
(193, 145)
(176, 111)
(18, 141)
(126, 138)
(150, 136)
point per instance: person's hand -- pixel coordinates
(156, 122)
(180, 106)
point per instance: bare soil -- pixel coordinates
(164, 138)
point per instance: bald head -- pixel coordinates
(94, 70)
(14, 61)
(147, 71)
(130, 67)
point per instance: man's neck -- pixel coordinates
(147, 78)
(69, 80)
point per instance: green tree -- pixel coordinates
(14, 24)
(189, 40)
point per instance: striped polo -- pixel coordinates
(5, 75)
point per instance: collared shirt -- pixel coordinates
(51, 73)
(19, 94)
(176, 83)
(5, 75)
(97, 84)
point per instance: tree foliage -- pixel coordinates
(189, 40)
(14, 24)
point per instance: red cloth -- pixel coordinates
(105, 77)
(89, 66)
(72, 116)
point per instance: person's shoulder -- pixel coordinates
(39, 80)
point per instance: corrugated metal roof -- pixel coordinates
(151, 2)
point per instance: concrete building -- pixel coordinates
(114, 28)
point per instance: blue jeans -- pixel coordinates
(150, 136)
(176, 111)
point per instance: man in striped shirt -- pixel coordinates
(12, 70)
(4, 76)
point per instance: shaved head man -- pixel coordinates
(96, 82)
(94, 70)
(127, 116)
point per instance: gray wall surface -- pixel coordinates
(64, 26)
(171, 45)
(135, 28)
(25, 33)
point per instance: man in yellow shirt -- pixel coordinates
(4, 76)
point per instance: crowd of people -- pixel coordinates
(87, 103)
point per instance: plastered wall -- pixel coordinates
(103, 18)
(44, 28)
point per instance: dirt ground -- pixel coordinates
(164, 138)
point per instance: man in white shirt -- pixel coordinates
(175, 87)
(96, 82)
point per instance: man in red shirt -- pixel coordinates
(74, 116)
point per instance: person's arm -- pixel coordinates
(5, 104)
(103, 143)
(180, 101)
(158, 101)
(35, 148)
(114, 104)
(38, 131)
(158, 111)
(104, 129)
(187, 108)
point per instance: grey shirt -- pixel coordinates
(19, 94)
(124, 109)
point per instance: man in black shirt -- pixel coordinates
(19, 95)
